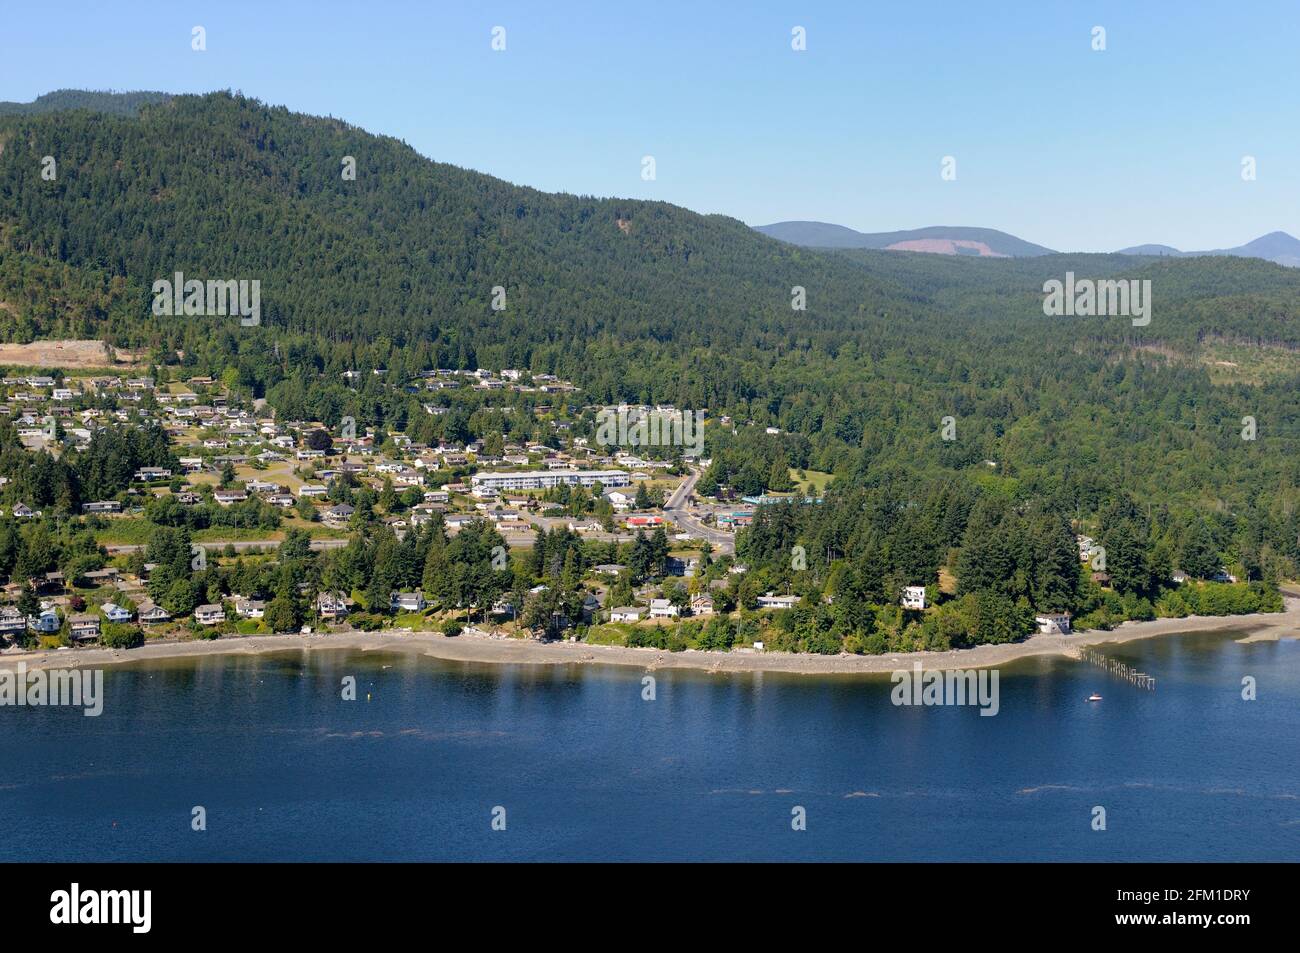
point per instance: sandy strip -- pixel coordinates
(470, 647)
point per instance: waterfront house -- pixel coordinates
(407, 602)
(702, 605)
(332, 605)
(210, 614)
(662, 609)
(12, 621)
(1053, 623)
(151, 614)
(914, 597)
(250, 608)
(83, 627)
(47, 623)
(625, 614)
(115, 613)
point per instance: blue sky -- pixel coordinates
(1054, 142)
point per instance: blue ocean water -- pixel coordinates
(712, 769)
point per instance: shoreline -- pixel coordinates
(480, 648)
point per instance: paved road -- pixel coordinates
(675, 509)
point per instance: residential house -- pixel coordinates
(151, 614)
(83, 627)
(332, 605)
(1053, 623)
(210, 614)
(625, 614)
(914, 597)
(47, 623)
(115, 613)
(770, 601)
(12, 622)
(407, 602)
(663, 609)
(250, 608)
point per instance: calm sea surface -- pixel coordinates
(711, 769)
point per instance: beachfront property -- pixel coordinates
(1053, 623)
(331, 605)
(914, 597)
(770, 601)
(210, 614)
(407, 602)
(702, 605)
(115, 613)
(47, 623)
(625, 614)
(151, 614)
(546, 479)
(663, 609)
(83, 627)
(250, 608)
(12, 622)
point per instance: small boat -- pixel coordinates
(1094, 697)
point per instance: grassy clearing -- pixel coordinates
(814, 484)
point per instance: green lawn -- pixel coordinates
(814, 485)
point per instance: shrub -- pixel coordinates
(117, 636)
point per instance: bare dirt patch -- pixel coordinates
(72, 354)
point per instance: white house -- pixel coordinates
(250, 608)
(770, 601)
(625, 614)
(914, 597)
(1053, 623)
(115, 613)
(663, 609)
(407, 602)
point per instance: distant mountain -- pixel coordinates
(1278, 247)
(937, 239)
(115, 104)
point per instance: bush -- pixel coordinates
(117, 636)
(452, 628)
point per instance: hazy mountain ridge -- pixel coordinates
(1278, 247)
(938, 239)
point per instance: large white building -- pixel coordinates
(545, 479)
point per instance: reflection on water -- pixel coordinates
(711, 769)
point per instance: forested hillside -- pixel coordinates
(1056, 419)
